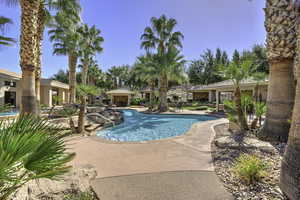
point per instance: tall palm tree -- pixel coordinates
(281, 41)
(44, 18)
(161, 38)
(170, 68)
(64, 33)
(117, 74)
(5, 41)
(290, 168)
(90, 45)
(29, 20)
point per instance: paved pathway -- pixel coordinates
(180, 168)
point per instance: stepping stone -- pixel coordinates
(179, 185)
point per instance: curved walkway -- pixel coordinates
(178, 168)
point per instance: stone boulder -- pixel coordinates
(244, 142)
(95, 109)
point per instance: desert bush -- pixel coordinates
(137, 101)
(249, 168)
(30, 149)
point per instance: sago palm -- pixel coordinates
(160, 37)
(4, 40)
(30, 149)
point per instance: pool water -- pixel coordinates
(8, 114)
(144, 127)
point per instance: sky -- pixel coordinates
(206, 24)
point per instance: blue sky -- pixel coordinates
(228, 24)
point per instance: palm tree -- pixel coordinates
(90, 44)
(118, 75)
(237, 72)
(44, 18)
(281, 41)
(170, 68)
(5, 41)
(64, 34)
(146, 69)
(259, 77)
(161, 38)
(290, 171)
(29, 20)
(30, 149)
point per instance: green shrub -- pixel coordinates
(137, 101)
(5, 108)
(249, 168)
(30, 149)
(202, 108)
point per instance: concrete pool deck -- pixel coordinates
(178, 168)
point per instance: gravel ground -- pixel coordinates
(266, 189)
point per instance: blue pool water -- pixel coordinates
(8, 114)
(144, 127)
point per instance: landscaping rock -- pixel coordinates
(224, 158)
(95, 109)
(79, 179)
(245, 142)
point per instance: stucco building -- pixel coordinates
(120, 97)
(11, 90)
(218, 92)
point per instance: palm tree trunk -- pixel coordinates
(280, 101)
(28, 55)
(290, 167)
(72, 76)
(39, 38)
(281, 44)
(82, 110)
(239, 109)
(152, 95)
(163, 105)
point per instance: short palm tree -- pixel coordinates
(237, 72)
(5, 41)
(90, 45)
(162, 38)
(30, 149)
(64, 34)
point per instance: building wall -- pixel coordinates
(200, 96)
(4, 88)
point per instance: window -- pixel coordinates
(10, 83)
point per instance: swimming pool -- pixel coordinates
(144, 127)
(4, 114)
